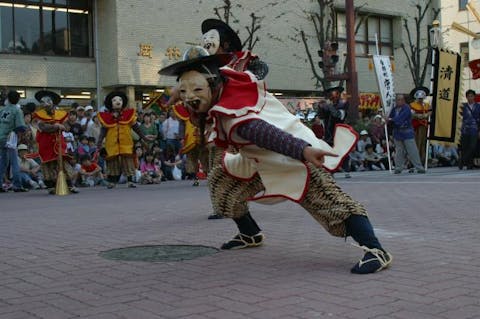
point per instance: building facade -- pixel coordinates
(84, 48)
(469, 49)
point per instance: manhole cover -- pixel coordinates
(158, 253)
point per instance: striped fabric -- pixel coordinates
(121, 164)
(325, 201)
(265, 135)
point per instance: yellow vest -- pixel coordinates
(118, 140)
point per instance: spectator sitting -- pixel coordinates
(377, 130)
(169, 161)
(357, 160)
(139, 154)
(72, 125)
(90, 172)
(151, 173)
(70, 140)
(83, 146)
(363, 141)
(76, 169)
(374, 161)
(447, 154)
(94, 127)
(29, 169)
(92, 146)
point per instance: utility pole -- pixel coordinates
(352, 81)
(330, 58)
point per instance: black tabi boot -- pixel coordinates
(130, 182)
(112, 181)
(376, 258)
(249, 236)
(50, 186)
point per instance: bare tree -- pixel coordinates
(417, 59)
(226, 13)
(325, 25)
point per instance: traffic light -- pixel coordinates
(329, 58)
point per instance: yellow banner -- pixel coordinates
(445, 110)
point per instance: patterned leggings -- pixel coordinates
(324, 200)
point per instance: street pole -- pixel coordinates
(352, 79)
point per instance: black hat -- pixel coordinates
(195, 57)
(231, 36)
(339, 89)
(111, 95)
(54, 96)
(418, 89)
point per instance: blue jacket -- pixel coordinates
(471, 119)
(402, 122)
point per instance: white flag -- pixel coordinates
(383, 69)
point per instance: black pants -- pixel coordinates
(468, 148)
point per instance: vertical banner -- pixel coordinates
(383, 69)
(445, 119)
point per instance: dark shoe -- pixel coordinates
(374, 260)
(215, 216)
(397, 172)
(411, 170)
(74, 190)
(244, 241)
(347, 175)
(110, 185)
(421, 171)
(3, 190)
(51, 191)
(132, 185)
(196, 183)
(20, 190)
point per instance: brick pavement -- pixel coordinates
(50, 268)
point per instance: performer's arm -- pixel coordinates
(101, 136)
(272, 138)
(47, 127)
(138, 130)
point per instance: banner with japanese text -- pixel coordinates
(445, 119)
(383, 69)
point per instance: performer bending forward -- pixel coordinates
(273, 147)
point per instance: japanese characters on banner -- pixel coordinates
(383, 69)
(445, 118)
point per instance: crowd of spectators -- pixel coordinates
(371, 154)
(159, 159)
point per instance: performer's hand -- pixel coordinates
(60, 127)
(316, 156)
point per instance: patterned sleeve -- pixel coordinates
(272, 138)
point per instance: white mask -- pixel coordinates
(211, 41)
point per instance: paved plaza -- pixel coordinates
(50, 265)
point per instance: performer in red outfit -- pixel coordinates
(49, 135)
(273, 147)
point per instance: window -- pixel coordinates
(464, 53)
(46, 27)
(462, 4)
(365, 38)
